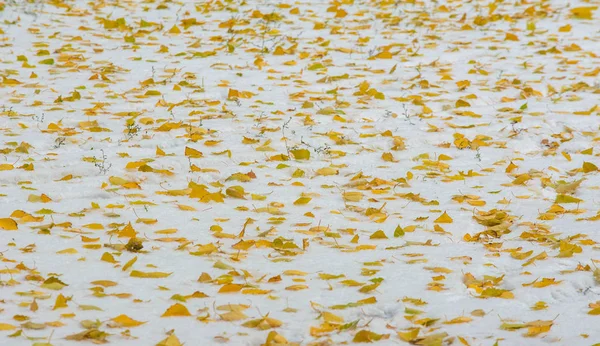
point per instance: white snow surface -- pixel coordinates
(81, 119)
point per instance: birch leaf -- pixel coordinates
(176, 310)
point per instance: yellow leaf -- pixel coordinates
(53, 283)
(351, 283)
(8, 224)
(186, 207)
(340, 13)
(595, 311)
(294, 273)
(70, 251)
(589, 167)
(510, 167)
(263, 323)
(521, 179)
(61, 302)
(149, 275)
(233, 94)
(127, 231)
(104, 283)
(129, 263)
(588, 151)
(203, 250)
(233, 307)
(565, 28)
(563, 187)
(95, 226)
(174, 30)
(388, 157)
(327, 171)
(171, 340)
(492, 292)
(585, 12)
(34, 305)
(444, 218)
(460, 319)
(368, 336)
(542, 283)
(332, 318)
(398, 232)
(10, 81)
(300, 154)
(383, 55)
(229, 288)
(463, 84)
(302, 201)
(66, 177)
(243, 245)
(107, 257)
(39, 199)
(353, 196)
(233, 316)
(255, 291)
(316, 66)
(535, 328)
(126, 321)
(462, 103)
(439, 270)
(5, 326)
(541, 256)
(566, 199)
(539, 306)
(378, 235)
(167, 231)
(235, 192)
(409, 335)
(176, 310)
(521, 255)
(511, 37)
(93, 335)
(122, 182)
(193, 153)
(462, 143)
(476, 203)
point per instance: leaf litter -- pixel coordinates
(315, 173)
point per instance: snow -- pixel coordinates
(529, 104)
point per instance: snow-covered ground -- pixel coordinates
(305, 173)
